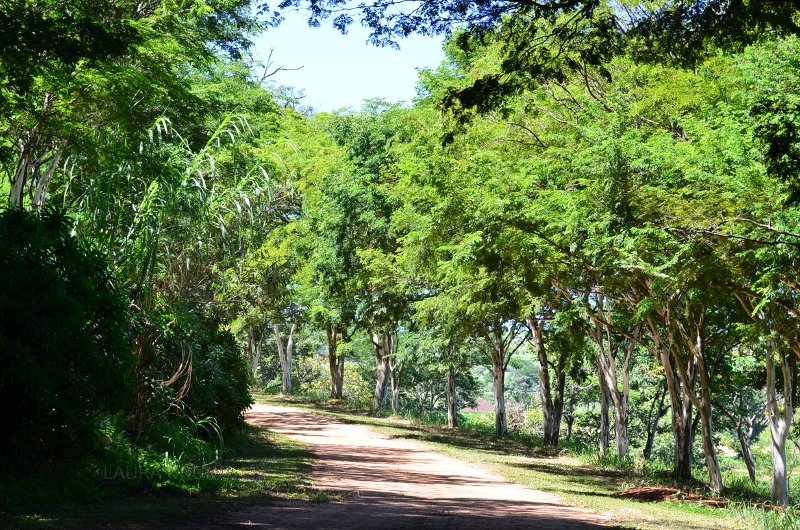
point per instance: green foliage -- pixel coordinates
(65, 359)
(193, 374)
(219, 378)
(624, 169)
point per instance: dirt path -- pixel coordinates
(398, 483)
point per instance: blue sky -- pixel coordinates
(342, 70)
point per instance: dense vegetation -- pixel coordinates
(597, 200)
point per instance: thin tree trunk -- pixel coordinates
(605, 435)
(452, 414)
(714, 471)
(696, 346)
(552, 416)
(558, 398)
(569, 415)
(396, 375)
(43, 182)
(335, 363)
(780, 421)
(499, 355)
(383, 349)
(680, 405)
(285, 356)
(499, 388)
(27, 163)
(255, 346)
(747, 454)
(249, 350)
(289, 353)
(657, 411)
(608, 346)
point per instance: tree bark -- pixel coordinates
(679, 403)
(657, 411)
(285, 356)
(695, 343)
(396, 372)
(714, 471)
(335, 363)
(500, 350)
(780, 421)
(255, 347)
(499, 388)
(552, 410)
(605, 435)
(452, 411)
(747, 455)
(608, 347)
(383, 349)
(43, 182)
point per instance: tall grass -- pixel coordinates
(758, 517)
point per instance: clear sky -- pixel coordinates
(342, 70)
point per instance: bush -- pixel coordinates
(220, 375)
(64, 354)
(194, 373)
(313, 376)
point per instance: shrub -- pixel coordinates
(64, 355)
(194, 373)
(220, 375)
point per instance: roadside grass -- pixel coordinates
(258, 467)
(575, 481)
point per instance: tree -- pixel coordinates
(85, 97)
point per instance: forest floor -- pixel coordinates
(390, 482)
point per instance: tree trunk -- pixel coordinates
(249, 351)
(569, 415)
(695, 343)
(558, 398)
(657, 411)
(605, 435)
(499, 388)
(452, 414)
(608, 346)
(43, 182)
(714, 471)
(499, 355)
(335, 363)
(747, 455)
(396, 372)
(257, 347)
(621, 429)
(682, 430)
(285, 356)
(383, 349)
(780, 421)
(679, 403)
(551, 412)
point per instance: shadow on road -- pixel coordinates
(395, 483)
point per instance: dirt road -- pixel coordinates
(398, 483)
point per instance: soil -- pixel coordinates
(395, 483)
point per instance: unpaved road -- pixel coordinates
(398, 483)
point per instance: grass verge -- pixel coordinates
(257, 468)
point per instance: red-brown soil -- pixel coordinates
(396, 483)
